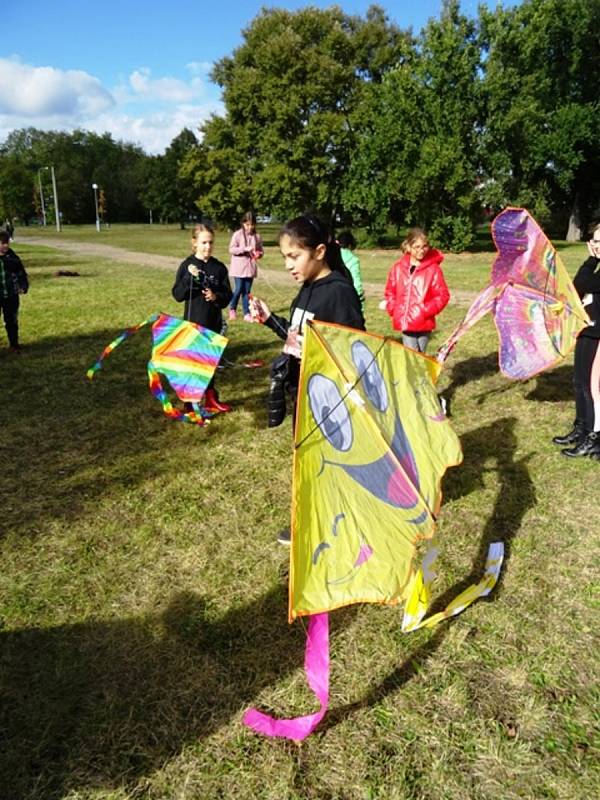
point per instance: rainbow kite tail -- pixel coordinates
(116, 342)
(198, 415)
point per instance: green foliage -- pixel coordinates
(80, 159)
(540, 107)
(15, 189)
(416, 159)
(364, 123)
(290, 91)
(168, 189)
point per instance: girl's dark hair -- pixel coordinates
(309, 231)
(249, 216)
(346, 239)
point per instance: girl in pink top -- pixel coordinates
(246, 248)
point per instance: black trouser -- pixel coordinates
(9, 306)
(586, 380)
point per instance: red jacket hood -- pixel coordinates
(432, 257)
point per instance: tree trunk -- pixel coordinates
(574, 230)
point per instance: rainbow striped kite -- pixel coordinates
(185, 353)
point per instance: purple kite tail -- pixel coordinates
(316, 664)
(116, 342)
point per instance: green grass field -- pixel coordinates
(143, 600)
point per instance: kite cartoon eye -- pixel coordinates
(372, 379)
(329, 411)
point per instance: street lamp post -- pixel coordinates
(56, 211)
(42, 205)
(95, 188)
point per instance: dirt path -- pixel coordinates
(271, 276)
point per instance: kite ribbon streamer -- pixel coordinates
(416, 607)
(316, 664)
(116, 342)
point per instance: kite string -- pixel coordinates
(343, 397)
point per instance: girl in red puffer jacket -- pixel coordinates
(415, 290)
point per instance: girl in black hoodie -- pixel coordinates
(327, 294)
(585, 436)
(203, 283)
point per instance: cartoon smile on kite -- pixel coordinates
(392, 478)
(364, 553)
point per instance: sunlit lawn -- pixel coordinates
(143, 598)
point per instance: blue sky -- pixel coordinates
(136, 69)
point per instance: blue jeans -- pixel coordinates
(242, 287)
(416, 341)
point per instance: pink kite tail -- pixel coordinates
(316, 664)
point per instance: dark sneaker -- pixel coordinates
(588, 446)
(284, 537)
(572, 437)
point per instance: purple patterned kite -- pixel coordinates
(536, 309)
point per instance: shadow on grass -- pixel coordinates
(471, 369)
(515, 496)
(554, 386)
(71, 440)
(104, 703)
(392, 683)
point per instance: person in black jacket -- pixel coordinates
(202, 282)
(584, 438)
(327, 294)
(13, 283)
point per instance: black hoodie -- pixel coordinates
(587, 284)
(213, 275)
(13, 278)
(330, 299)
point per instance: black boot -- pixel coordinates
(574, 436)
(588, 446)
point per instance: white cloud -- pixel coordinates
(161, 89)
(155, 131)
(149, 111)
(31, 92)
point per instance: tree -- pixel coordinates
(539, 143)
(16, 199)
(168, 189)
(80, 159)
(290, 90)
(416, 160)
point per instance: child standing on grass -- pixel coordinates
(246, 248)
(347, 244)
(202, 283)
(326, 294)
(415, 291)
(13, 283)
(585, 436)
